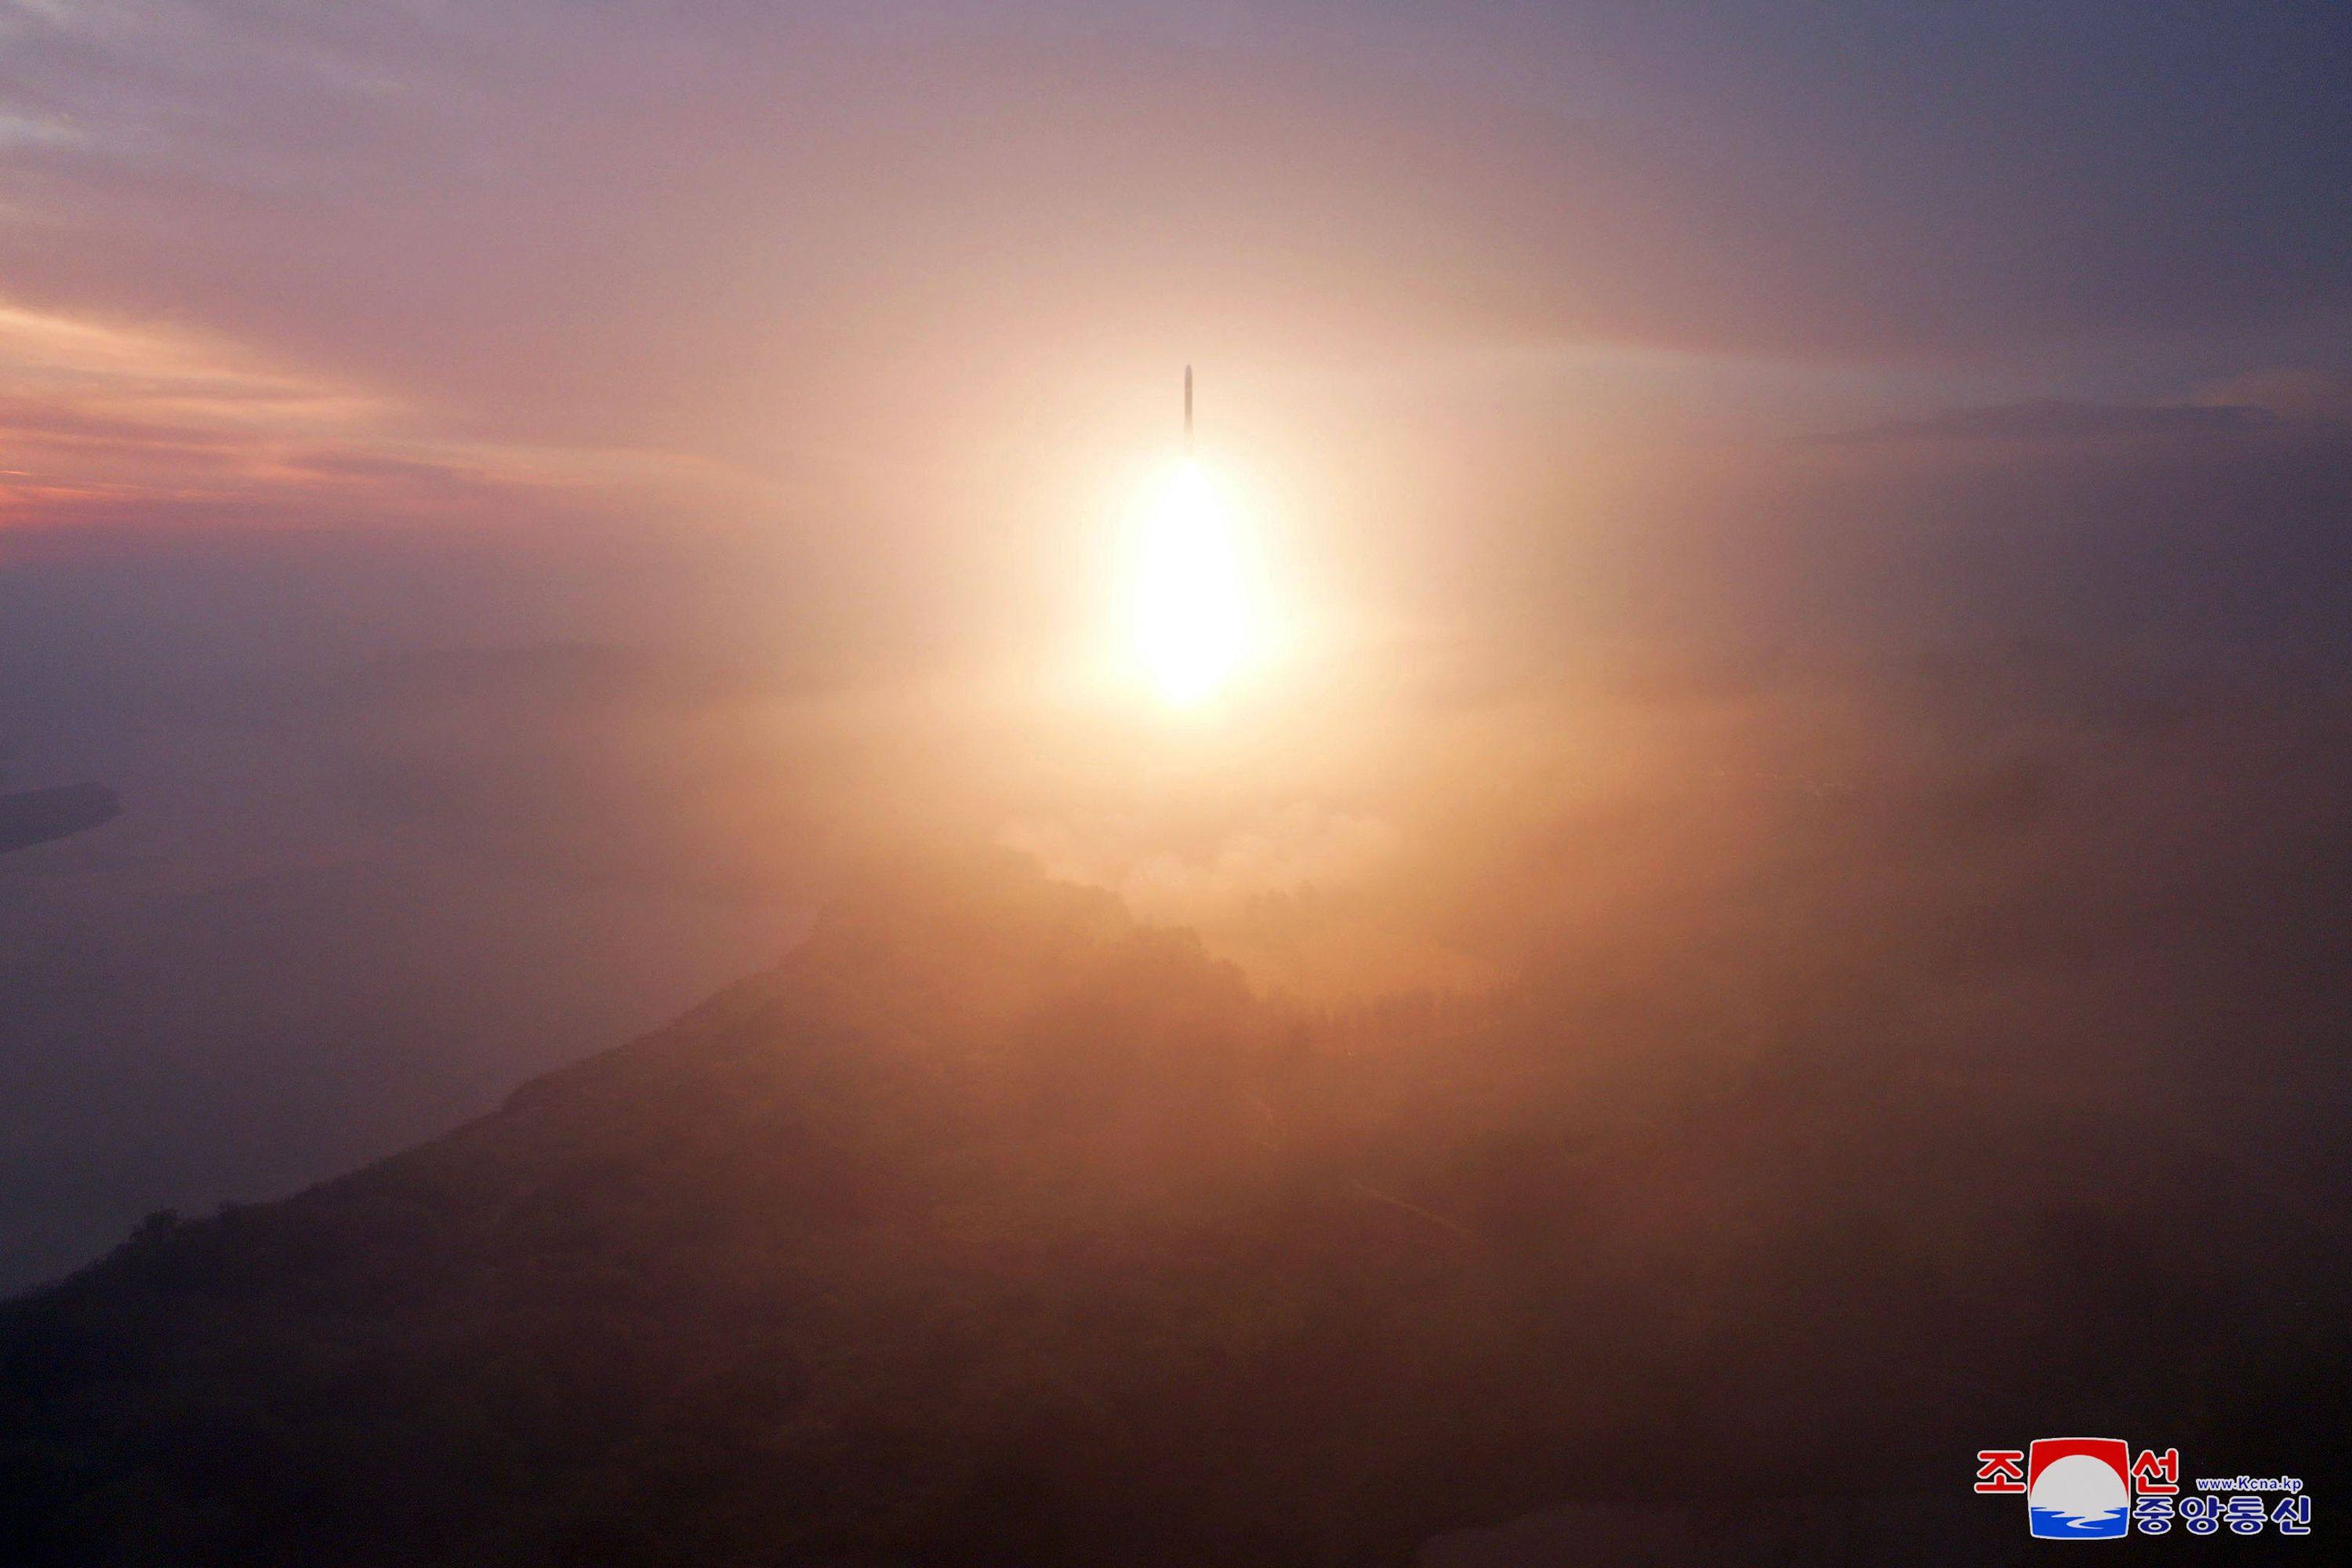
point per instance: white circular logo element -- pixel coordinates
(2081, 1486)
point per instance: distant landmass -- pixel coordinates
(993, 1227)
(38, 815)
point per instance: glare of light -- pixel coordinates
(1194, 624)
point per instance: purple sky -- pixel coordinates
(868, 309)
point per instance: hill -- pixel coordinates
(992, 1226)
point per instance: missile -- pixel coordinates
(1188, 410)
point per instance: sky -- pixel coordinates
(853, 319)
(508, 492)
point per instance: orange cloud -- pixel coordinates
(148, 415)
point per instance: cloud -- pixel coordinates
(899, 295)
(100, 415)
(2288, 392)
(2057, 420)
(771, 237)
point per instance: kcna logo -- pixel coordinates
(2091, 1488)
(2079, 1488)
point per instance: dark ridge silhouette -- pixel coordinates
(38, 816)
(993, 1227)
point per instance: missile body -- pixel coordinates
(1188, 410)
